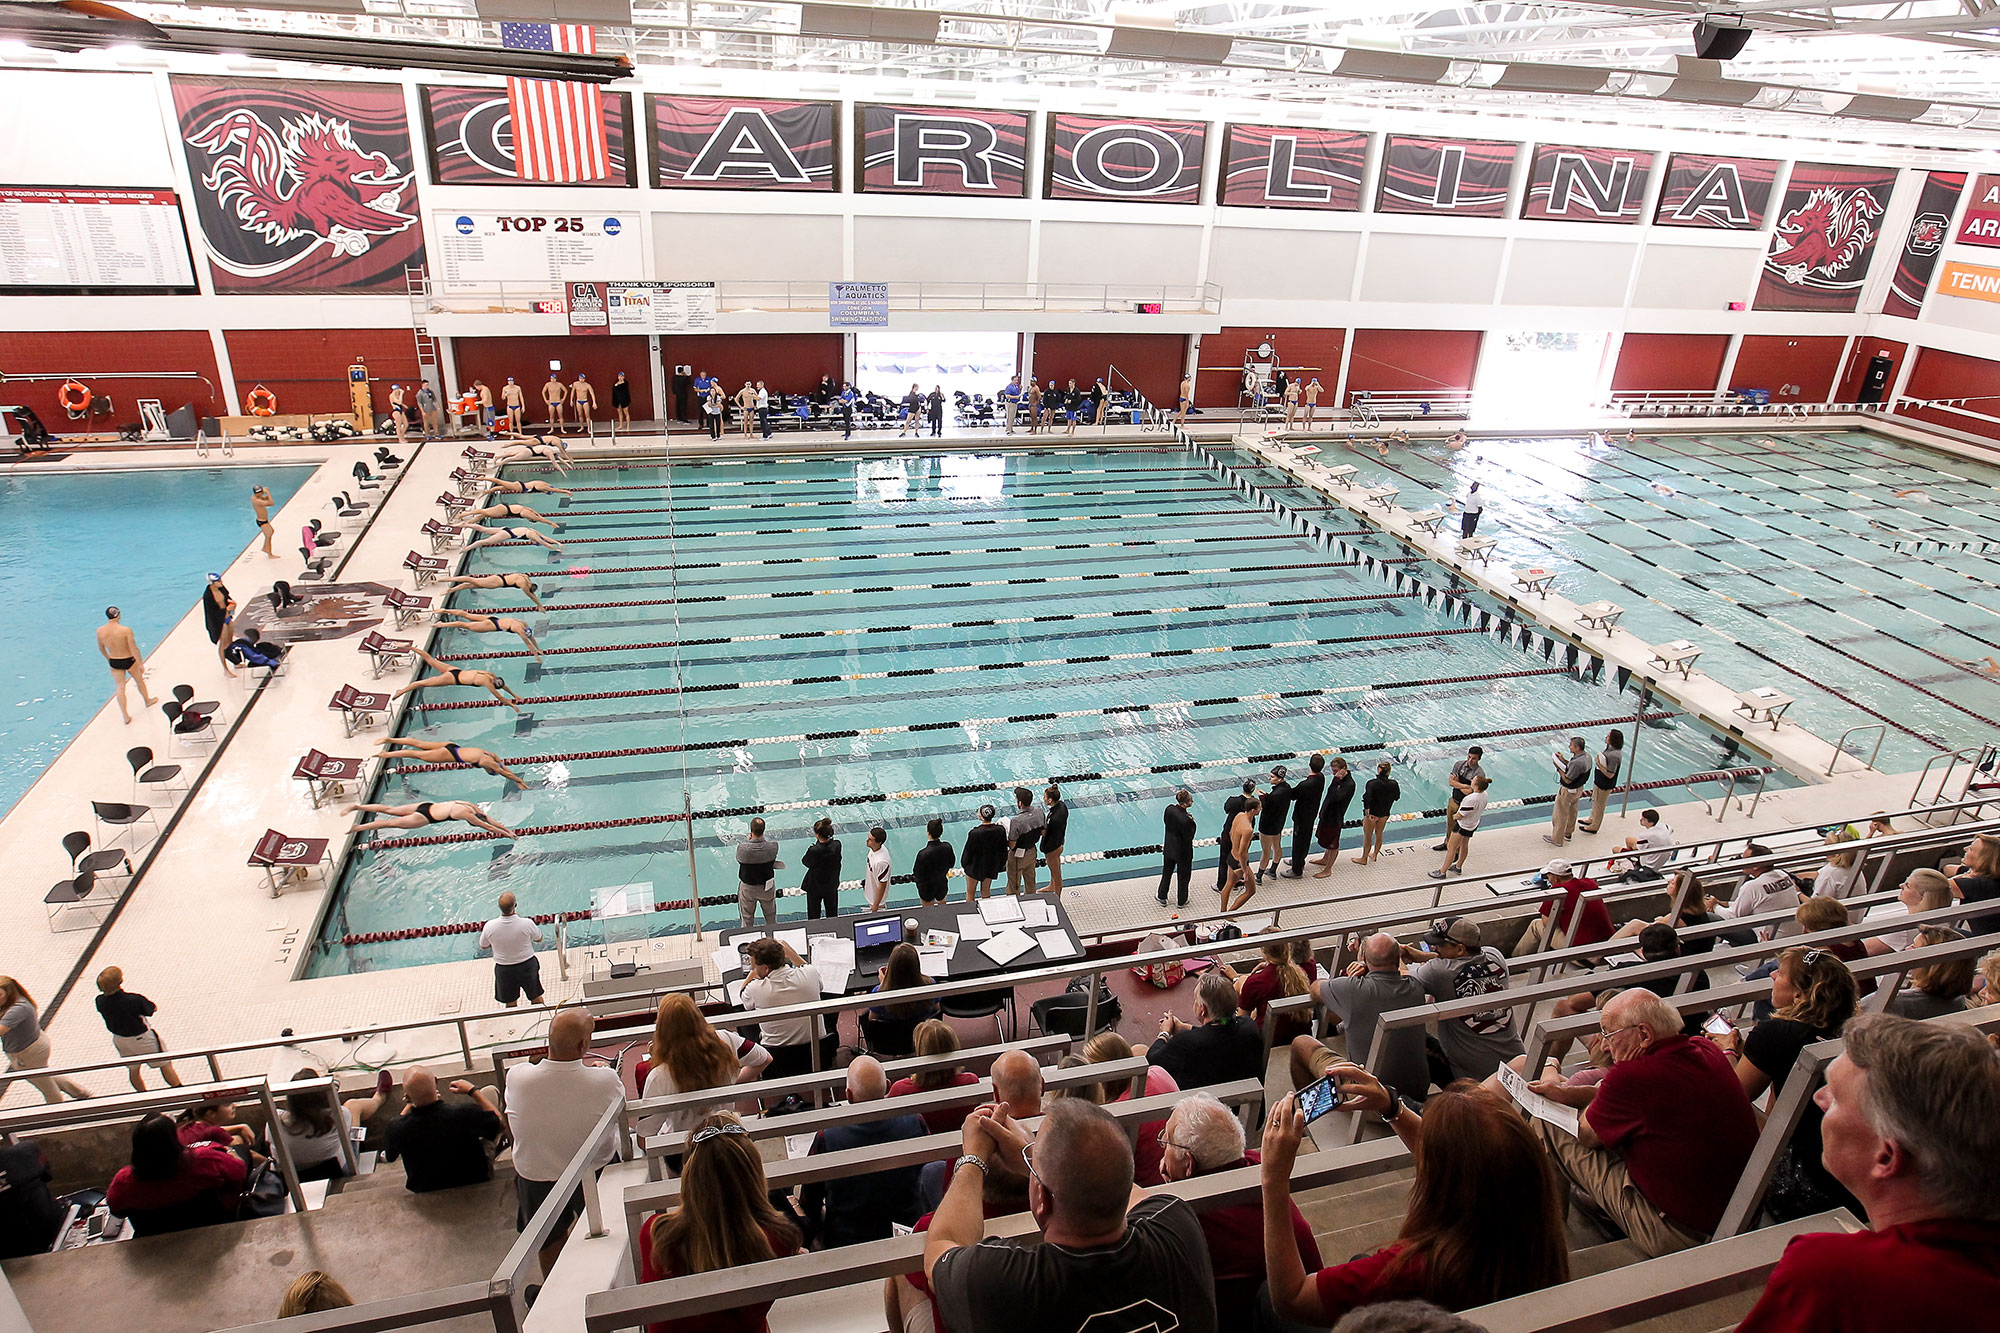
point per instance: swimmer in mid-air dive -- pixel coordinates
(501, 486)
(521, 512)
(444, 752)
(520, 583)
(494, 536)
(422, 814)
(480, 623)
(446, 674)
(548, 448)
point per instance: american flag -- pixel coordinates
(558, 127)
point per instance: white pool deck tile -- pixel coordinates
(202, 936)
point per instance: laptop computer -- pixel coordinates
(881, 933)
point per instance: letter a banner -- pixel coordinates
(1289, 166)
(977, 153)
(1982, 214)
(1825, 237)
(1724, 193)
(713, 143)
(1130, 161)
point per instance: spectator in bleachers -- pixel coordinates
(1472, 1150)
(551, 1107)
(1110, 1256)
(209, 1122)
(1694, 912)
(688, 1055)
(1017, 1090)
(172, 1187)
(1454, 964)
(1841, 876)
(1204, 1136)
(1658, 942)
(313, 1131)
(1109, 1046)
(1912, 1128)
(1665, 1134)
(1216, 1046)
(1924, 891)
(890, 1029)
(1592, 927)
(857, 1208)
(1986, 986)
(1373, 986)
(1814, 996)
(779, 978)
(1279, 976)
(907, 1298)
(1977, 880)
(1650, 849)
(313, 1293)
(1765, 888)
(725, 1220)
(935, 1039)
(442, 1144)
(1941, 988)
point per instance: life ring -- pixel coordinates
(262, 402)
(74, 397)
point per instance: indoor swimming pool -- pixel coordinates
(888, 639)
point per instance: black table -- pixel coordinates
(966, 959)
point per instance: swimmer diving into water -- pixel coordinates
(422, 814)
(445, 752)
(520, 583)
(478, 623)
(490, 681)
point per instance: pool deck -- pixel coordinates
(202, 936)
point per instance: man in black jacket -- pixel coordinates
(1305, 810)
(1230, 809)
(1220, 1046)
(1177, 849)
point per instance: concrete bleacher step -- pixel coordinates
(1591, 1260)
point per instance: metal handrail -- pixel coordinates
(1979, 758)
(1881, 730)
(510, 1280)
(811, 296)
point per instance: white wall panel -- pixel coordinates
(1455, 270)
(746, 247)
(1959, 312)
(1695, 277)
(1095, 252)
(1256, 264)
(82, 128)
(1565, 272)
(940, 249)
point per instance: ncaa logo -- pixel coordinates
(464, 225)
(612, 226)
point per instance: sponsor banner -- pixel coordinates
(585, 302)
(301, 186)
(1272, 166)
(857, 305)
(1132, 161)
(79, 239)
(1923, 242)
(942, 150)
(1466, 178)
(1724, 193)
(743, 143)
(471, 135)
(1981, 225)
(1970, 280)
(660, 307)
(1825, 237)
(479, 247)
(1587, 184)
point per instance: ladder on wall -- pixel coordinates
(417, 286)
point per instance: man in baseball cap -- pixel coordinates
(1453, 965)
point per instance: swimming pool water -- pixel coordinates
(72, 544)
(882, 640)
(1776, 553)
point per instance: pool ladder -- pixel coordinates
(1881, 729)
(1728, 778)
(1980, 759)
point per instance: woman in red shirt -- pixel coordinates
(935, 1038)
(725, 1221)
(170, 1186)
(1281, 975)
(1471, 1148)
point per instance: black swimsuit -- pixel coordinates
(122, 663)
(455, 755)
(424, 809)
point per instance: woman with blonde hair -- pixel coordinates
(935, 1039)
(1841, 876)
(1941, 988)
(725, 1220)
(1279, 976)
(1923, 891)
(27, 1046)
(688, 1055)
(1977, 880)
(314, 1293)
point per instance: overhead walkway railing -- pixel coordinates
(750, 297)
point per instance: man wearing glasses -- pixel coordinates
(1111, 1257)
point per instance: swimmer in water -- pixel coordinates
(494, 536)
(1992, 667)
(520, 583)
(1456, 442)
(1914, 493)
(445, 752)
(1631, 437)
(446, 674)
(422, 814)
(478, 623)
(260, 503)
(521, 512)
(502, 486)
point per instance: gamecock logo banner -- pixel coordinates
(1825, 237)
(1466, 178)
(1125, 161)
(471, 133)
(301, 186)
(712, 143)
(1286, 166)
(974, 152)
(1725, 193)
(1923, 243)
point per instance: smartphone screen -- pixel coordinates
(1719, 1026)
(1316, 1099)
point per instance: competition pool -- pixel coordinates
(1820, 563)
(74, 543)
(887, 639)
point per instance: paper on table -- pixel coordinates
(940, 939)
(735, 991)
(795, 938)
(1008, 945)
(1035, 912)
(999, 911)
(935, 962)
(832, 951)
(727, 960)
(1536, 1105)
(798, 1145)
(973, 927)
(1056, 944)
(833, 978)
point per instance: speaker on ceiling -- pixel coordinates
(1715, 41)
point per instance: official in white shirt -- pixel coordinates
(551, 1109)
(515, 968)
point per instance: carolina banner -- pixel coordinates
(741, 143)
(1725, 193)
(471, 136)
(1923, 242)
(1825, 237)
(1587, 184)
(1466, 178)
(301, 186)
(1273, 166)
(942, 150)
(1133, 161)
(1982, 214)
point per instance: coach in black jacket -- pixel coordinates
(1177, 848)
(1305, 811)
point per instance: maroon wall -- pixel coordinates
(1773, 361)
(1224, 350)
(1152, 361)
(1412, 360)
(1670, 362)
(83, 354)
(1865, 350)
(1954, 375)
(786, 362)
(307, 368)
(527, 360)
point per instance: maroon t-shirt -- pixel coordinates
(1595, 924)
(1923, 1275)
(938, 1122)
(743, 1319)
(1680, 1119)
(1366, 1281)
(206, 1169)
(1236, 1247)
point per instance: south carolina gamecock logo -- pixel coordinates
(1927, 233)
(307, 179)
(1826, 233)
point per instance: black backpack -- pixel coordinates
(29, 1215)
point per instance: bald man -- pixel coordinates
(857, 1208)
(552, 1108)
(1017, 1084)
(442, 1143)
(1373, 986)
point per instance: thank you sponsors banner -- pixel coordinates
(1460, 177)
(1923, 242)
(1272, 166)
(641, 307)
(1125, 161)
(943, 150)
(1587, 184)
(742, 143)
(1824, 239)
(1723, 193)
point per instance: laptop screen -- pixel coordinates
(876, 934)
